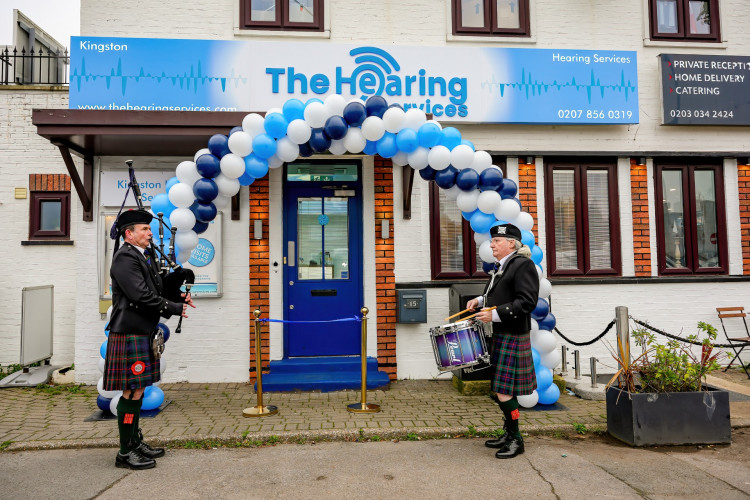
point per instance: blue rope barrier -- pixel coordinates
(353, 318)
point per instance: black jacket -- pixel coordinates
(515, 293)
(137, 303)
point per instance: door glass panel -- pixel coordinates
(674, 228)
(263, 10)
(706, 219)
(600, 253)
(309, 239)
(301, 11)
(666, 16)
(508, 14)
(472, 13)
(566, 249)
(304, 172)
(700, 18)
(336, 238)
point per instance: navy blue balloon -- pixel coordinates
(208, 166)
(376, 106)
(218, 144)
(200, 227)
(103, 403)
(467, 179)
(371, 148)
(541, 310)
(519, 203)
(205, 212)
(396, 105)
(490, 179)
(487, 267)
(319, 141)
(235, 129)
(336, 127)
(305, 150)
(427, 173)
(446, 178)
(164, 330)
(548, 322)
(508, 189)
(355, 113)
(205, 190)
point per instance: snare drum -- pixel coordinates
(459, 345)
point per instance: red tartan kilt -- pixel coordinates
(129, 364)
(514, 366)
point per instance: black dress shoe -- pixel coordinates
(513, 448)
(499, 442)
(150, 452)
(134, 460)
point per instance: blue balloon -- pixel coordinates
(255, 166)
(161, 203)
(541, 309)
(319, 141)
(205, 190)
(370, 148)
(543, 378)
(246, 179)
(396, 105)
(487, 267)
(509, 188)
(171, 182)
(103, 349)
(481, 222)
(376, 106)
(106, 332)
(386, 146)
(446, 178)
(520, 205)
(429, 135)
(218, 144)
(527, 238)
(468, 143)
(407, 140)
(549, 396)
(164, 330)
(235, 129)
(305, 150)
(205, 212)
(427, 173)
(208, 166)
(103, 403)
(467, 179)
(450, 137)
(500, 223)
(312, 100)
(275, 125)
(155, 229)
(355, 113)
(469, 215)
(200, 227)
(293, 109)
(490, 179)
(548, 323)
(153, 397)
(536, 254)
(264, 146)
(336, 127)
(536, 358)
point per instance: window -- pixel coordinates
(49, 215)
(491, 17)
(582, 218)
(690, 218)
(287, 15)
(686, 20)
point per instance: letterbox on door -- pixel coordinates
(412, 306)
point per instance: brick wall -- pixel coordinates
(527, 187)
(384, 264)
(743, 177)
(258, 272)
(49, 182)
(641, 231)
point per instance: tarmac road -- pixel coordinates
(590, 467)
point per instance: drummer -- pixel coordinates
(513, 288)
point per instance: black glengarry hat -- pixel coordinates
(130, 217)
(505, 231)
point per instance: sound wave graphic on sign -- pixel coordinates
(185, 80)
(533, 87)
(375, 61)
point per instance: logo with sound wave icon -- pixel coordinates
(374, 66)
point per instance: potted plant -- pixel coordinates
(661, 398)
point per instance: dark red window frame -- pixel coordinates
(683, 34)
(35, 215)
(490, 20)
(282, 22)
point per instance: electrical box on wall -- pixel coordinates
(412, 306)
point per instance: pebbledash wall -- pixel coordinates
(214, 345)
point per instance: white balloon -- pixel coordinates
(100, 365)
(286, 149)
(181, 195)
(298, 131)
(187, 173)
(232, 165)
(551, 359)
(113, 403)
(534, 325)
(104, 393)
(373, 128)
(109, 313)
(335, 104)
(253, 124)
(162, 366)
(183, 219)
(419, 158)
(186, 239)
(221, 202)
(480, 238)
(507, 210)
(414, 118)
(274, 110)
(184, 255)
(467, 200)
(452, 192)
(393, 119)
(241, 143)
(528, 400)
(201, 152)
(436, 123)
(316, 114)
(400, 159)
(227, 187)
(485, 252)
(544, 341)
(545, 288)
(489, 201)
(524, 221)
(275, 162)
(337, 147)
(354, 141)
(462, 156)
(439, 157)
(539, 271)
(482, 160)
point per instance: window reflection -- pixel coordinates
(674, 225)
(51, 212)
(706, 219)
(472, 13)
(666, 16)
(508, 14)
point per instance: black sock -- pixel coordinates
(510, 410)
(138, 403)
(125, 420)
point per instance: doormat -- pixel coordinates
(106, 415)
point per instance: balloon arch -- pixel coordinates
(301, 129)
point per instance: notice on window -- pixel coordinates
(705, 90)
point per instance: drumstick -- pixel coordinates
(458, 314)
(484, 309)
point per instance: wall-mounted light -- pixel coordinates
(385, 229)
(258, 229)
(641, 160)
(743, 160)
(529, 160)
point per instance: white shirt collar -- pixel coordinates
(505, 259)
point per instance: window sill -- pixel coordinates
(48, 242)
(498, 39)
(249, 33)
(687, 44)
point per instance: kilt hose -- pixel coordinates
(514, 366)
(129, 364)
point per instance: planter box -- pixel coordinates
(669, 419)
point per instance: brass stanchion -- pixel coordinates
(260, 410)
(364, 406)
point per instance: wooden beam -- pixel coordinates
(408, 182)
(84, 194)
(236, 206)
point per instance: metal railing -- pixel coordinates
(33, 67)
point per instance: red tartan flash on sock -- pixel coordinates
(515, 414)
(128, 418)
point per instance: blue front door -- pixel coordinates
(323, 258)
